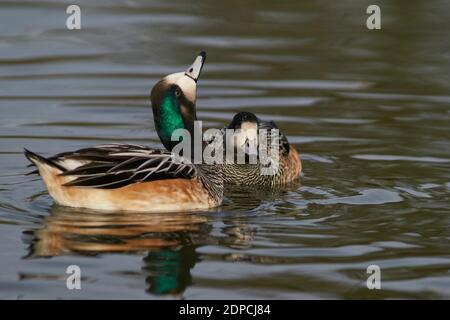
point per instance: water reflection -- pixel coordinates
(168, 240)
(168, 271)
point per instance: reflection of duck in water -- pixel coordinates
(168, 271)
(167, 239)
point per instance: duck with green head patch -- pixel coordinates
(129, 177)
(173, 101)
(170, 115)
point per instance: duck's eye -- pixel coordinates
(177, 92)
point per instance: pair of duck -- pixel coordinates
(127, 177)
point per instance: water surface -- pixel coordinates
(367, 110)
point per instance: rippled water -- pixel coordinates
(368, 111)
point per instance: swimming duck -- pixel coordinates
(247, 127)
(127, 177)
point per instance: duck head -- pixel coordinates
(246, 126)
(173, 101)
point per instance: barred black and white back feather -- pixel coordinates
(116, 165)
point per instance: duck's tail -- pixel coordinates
(50, 172)
(41, 162)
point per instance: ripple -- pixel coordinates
(259, 102)
(315, 158)
(237, 42)
(308, 139)
(396, 97)
(415, 193)
(344, 251)
(294, 84)
(394, 245)
(368, 196)
(381, 157)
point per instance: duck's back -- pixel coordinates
(119, 177)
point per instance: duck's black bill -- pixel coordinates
(196, 68)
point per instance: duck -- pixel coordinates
(247, 126)
(129, 177)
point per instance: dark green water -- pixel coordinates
(368, 111)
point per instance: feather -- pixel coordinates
(117, 165)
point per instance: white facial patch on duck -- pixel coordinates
(186, 84)
(246, 138)
(248, 134)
